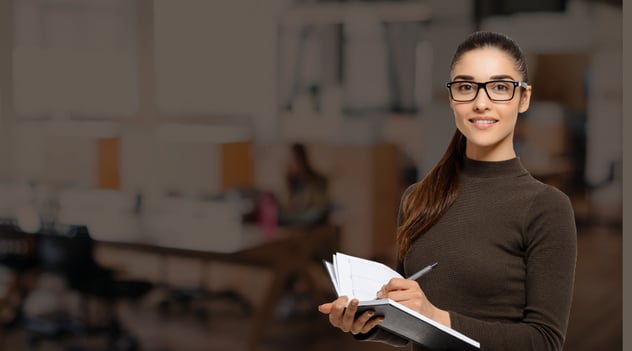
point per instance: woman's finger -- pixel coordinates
(372, 323)
(360, 322)
(337, 310)
(404, 295)
(326, 308)
(400, 284)
(349, 316)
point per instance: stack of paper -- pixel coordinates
(361, 278)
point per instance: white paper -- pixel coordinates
(360, 278)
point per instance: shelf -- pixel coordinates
(409, 11)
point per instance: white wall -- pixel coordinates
(218, 58)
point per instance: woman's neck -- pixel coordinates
(490, 154)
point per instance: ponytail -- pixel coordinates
(429, 199)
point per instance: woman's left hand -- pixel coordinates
(408, 293)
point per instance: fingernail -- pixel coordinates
(371, 314)
(354, 302)
(379, 294)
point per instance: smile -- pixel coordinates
(483, 121)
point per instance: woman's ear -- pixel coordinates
(525, 100)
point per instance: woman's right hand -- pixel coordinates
(343, 317)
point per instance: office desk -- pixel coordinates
(287, 254)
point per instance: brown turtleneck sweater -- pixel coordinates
(506, 250)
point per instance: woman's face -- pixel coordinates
(488, 125)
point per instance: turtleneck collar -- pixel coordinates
(493, 169)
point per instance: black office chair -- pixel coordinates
(18, 254)
(70, 255)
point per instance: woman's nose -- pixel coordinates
(481, 102)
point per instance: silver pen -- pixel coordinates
(423, 271)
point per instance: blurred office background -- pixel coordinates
(110, 109)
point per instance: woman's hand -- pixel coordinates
(343, 317)
(408, 293)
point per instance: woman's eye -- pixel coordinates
(465, 87)
(501, 87)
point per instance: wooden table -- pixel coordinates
(288, 253)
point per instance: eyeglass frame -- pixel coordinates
(484, 86)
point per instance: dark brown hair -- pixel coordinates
(425, 202)
(306, 171)
(299, 152)
(480, 40)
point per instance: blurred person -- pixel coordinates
(506, 243)
(305, 203)
(306, 200)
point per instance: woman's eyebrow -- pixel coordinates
(463, 77)
(496, 77)
(502, 77)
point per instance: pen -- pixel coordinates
(423, 271)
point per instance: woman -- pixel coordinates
(307, 198)
(506, 244)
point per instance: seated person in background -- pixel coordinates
(306, 201)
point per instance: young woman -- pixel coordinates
(506, 243)
(307, 199)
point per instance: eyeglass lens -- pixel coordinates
(496, 90)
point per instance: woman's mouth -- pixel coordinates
(483, 122)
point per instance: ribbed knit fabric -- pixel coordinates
(507, 251)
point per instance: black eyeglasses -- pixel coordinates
(496, 90)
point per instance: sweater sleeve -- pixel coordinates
(550, 238)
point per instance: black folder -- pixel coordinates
(417, 328)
